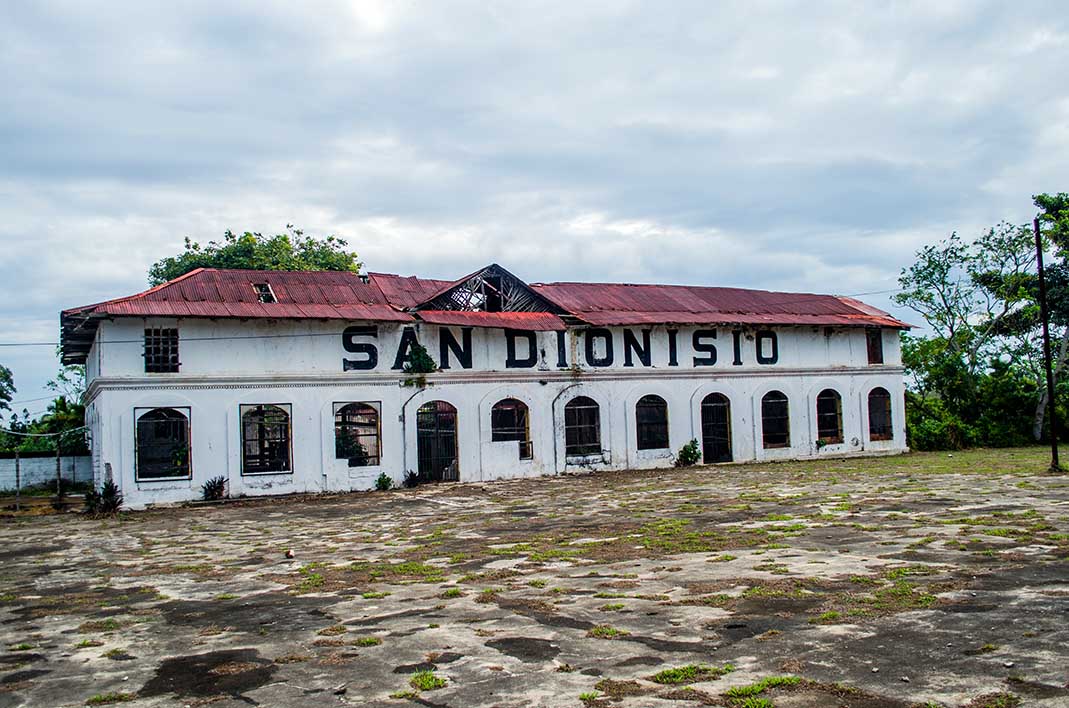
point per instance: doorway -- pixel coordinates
(436, 440)
(716, 428)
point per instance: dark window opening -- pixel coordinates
(265, 439)
(829, 417)
(492, 296)
(264, 293)
(161, 350)
(582, 427)
(874, 339)
(651, 422)
(880, 415)
(162, 445)
(509, 421)
(356, 434)
(775, 420)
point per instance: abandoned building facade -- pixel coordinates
(286, 382)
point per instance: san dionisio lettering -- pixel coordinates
(596, 346)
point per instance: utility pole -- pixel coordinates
(1044, 315)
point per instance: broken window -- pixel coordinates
(874, 339)
(509, 421)
(775, 420)
(356, 433)
(651, 423)
(264, 293)
(161, 350)
(582, 427)
(161, 442)
(880, 415)
(265, 439)
(829, 417)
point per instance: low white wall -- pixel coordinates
(38, 470)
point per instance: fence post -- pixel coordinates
(18, 480)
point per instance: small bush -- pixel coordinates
(105, 502)
(383, 482)
(214, 489)
(412, 479)
(689, 455)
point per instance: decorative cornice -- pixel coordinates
(185, 382)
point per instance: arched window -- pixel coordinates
(582, 427)
(356, 434)
(880, 415)
(265, 439)
(162, 444)
(651, 423)
(829, 417)
(775, 420)
(509, 421)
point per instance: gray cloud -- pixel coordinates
(808, 146)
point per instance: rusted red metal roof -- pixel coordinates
(207, 292)
(606, 304)
(536, 321)
(382, 297)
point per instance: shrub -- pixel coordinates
(383, 482)
(214, 488)
(411, 479)
(105, 502)
(689, 455)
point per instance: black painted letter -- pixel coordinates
(448, 343)
(773, 357)
(700, 345)
(511, 362)
(633, 346)
(368, 349)
(404, 349)
(591, 359)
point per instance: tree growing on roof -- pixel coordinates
(254, 251)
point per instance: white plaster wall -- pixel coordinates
(269, 347)
(300, 364)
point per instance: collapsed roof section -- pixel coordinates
(490, 297)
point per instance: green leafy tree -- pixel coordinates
(977, 372)
(7, 388)
(254, 251)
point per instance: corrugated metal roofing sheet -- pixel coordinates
(530, 321)
(605, 304)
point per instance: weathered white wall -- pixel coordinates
(305, 371)
(257, 347)
(42, 470)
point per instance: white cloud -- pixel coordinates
(777, 145)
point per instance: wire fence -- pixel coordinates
(35, 475)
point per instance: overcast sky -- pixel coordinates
(809, 146)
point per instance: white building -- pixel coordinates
(294, 381)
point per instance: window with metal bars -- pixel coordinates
(651, 423)
(775, 420)
(829, 417)
(265, 439)
(161, 350)
(582, 427)
(509, 420)
(880, 415)
(161, 444)
(356, 433)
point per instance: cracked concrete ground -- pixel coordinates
(925, 579)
